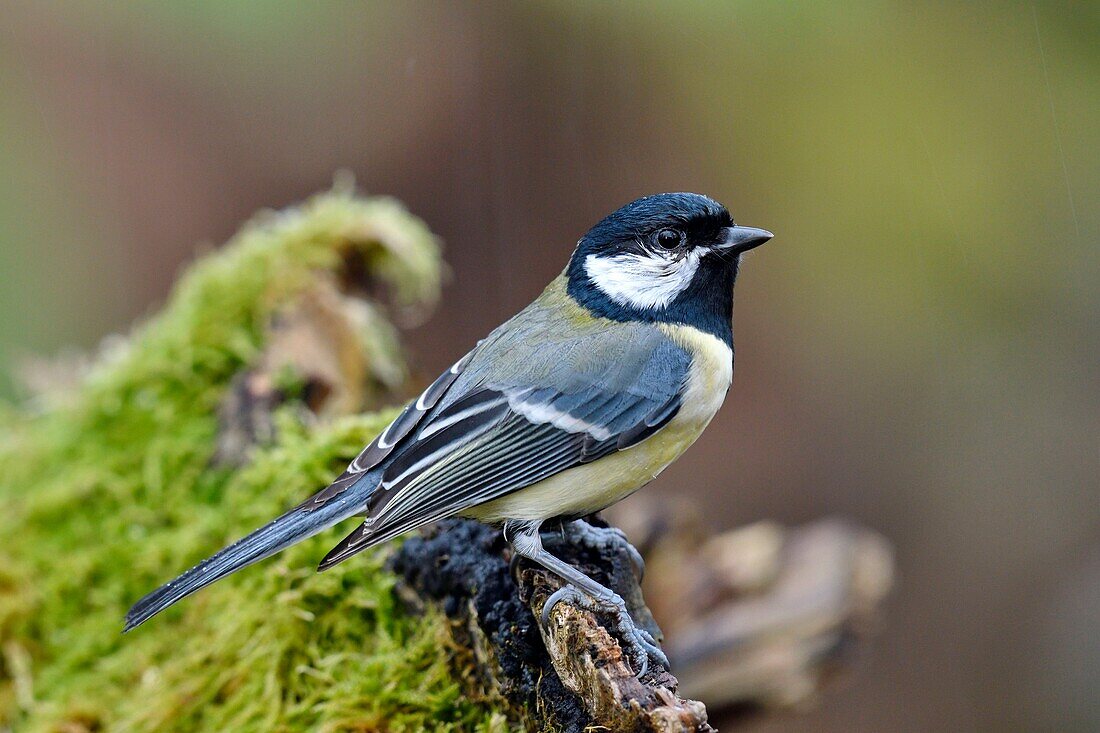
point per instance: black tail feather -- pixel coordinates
(291, 528)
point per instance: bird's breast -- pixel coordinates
(710, 375)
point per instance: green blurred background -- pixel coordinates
(919, 348)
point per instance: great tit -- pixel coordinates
(582, 398)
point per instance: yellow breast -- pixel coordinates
(593, 486)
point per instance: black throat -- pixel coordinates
(706, 304)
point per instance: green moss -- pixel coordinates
(107, 489)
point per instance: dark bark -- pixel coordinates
(570, 676)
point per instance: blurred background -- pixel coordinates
(918, 349)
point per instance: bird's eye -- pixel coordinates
(669, 238)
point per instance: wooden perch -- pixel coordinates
(569, 676)
(779, 608)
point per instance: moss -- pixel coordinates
(107, 489)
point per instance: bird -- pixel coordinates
(574, 403)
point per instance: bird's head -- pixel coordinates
(669, 257)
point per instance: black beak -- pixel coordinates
(742, 239)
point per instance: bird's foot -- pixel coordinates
(638, 643)
(601, 539)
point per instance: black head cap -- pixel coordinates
(700, 217)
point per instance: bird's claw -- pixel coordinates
(639, 644)
(582, 533)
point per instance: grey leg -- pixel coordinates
(580, 532)
(584, 592)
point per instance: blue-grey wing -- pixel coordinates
(504, 428)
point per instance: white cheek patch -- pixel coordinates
(642, 280)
